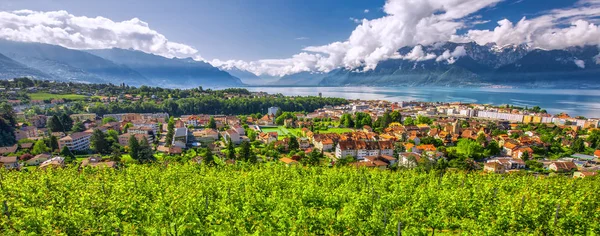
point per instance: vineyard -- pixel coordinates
(272, 199)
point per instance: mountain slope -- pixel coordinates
(247, 77)
(11, 69)
(69, 65)
(168, 72)
(301, 79)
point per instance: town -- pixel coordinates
(370, 134)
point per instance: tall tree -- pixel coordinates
(53, 143)
(134, 147)
(170, 132)
(55, 125)
(66, 122)
(230, 150)
(293, 144)
(209, 158)
(98, 142)
(212, 124)
(66, 153)
(578, 145)
(246, 152)
(78, 127)
(7, 125)
(146, 154)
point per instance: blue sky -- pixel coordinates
(256, 29)
(279, 37)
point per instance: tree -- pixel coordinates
(409, 121)
(492, 149)
(55, 125)
(134, 147)
(293, 143)
(246, 153)
(313, 158)
(67, 154)
(98, 142)
(525, 156)
(385, 120)
(53, 143)
(469, 148)
(108, 119)
(7, 125)
(39, 147)
(251, 135)
(230, 150)
(66, 122)
(78, 127)
(396, 116)
(346, 121)
(146, 154)
(212, 124)
(423, 120)
(112, 137)
(209, 158)
(481, 139)
(170, 132)
(578, 145)
(115, 155)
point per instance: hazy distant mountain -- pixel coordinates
(68, 65)
(246, 76)
(480, 65)
(170, 72)
(11, 69)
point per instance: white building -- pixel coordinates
(272, 110)
(76, 141)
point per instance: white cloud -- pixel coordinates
(302, 38)
(80, 32)
(451, 57)
(366, 11)
(355, 20)
(580, 63)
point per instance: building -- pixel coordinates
(39, 159)
(180, 137)
(560, 166)
(124, 138)
(362, 149)
(583, 174)
(494, 167)
(409, 159)
(83, 117)
(55, 162)
(324, 144)
(272, 111)
(97, 162)
(509, 163)
(206, 135)
(76, 141)
(288, 161)
(9, 162)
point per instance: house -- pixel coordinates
(96, 161)
(55, 162)
(79, 141)
(272, 111)
(180, 137)
(518, 153)
(170, 150)
(409, 159)
(494, 167)
(597, 153)
(389, 159)
(124, 138)
(268, 137)
(324, 144)
(560, 166)
(509, 163)
(426, 148)
(206, 135)
(39, 159)
(378, 161)
(9, 163)
(266, 120)
(288, 161)
(583, 174)
(303, 143)
(9, 149)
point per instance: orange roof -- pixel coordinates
(426, 147)
(287, 160)
(510, 145)
(408, 146)
(597, 153)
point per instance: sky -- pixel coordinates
(279, 37)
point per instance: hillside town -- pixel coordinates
(371, 134)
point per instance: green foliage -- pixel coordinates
(7, 125)
(145, 154)
(469, 148)
(134, 148)
(53, 143)
(244, 200)
(212, 124)
(362, 119)
(54, 124)
(78, 127)
(170, 132)
(66, 122)
(67, 154)
(409, 121)
(246, 154)
(578, 145)
(293, 144)
(313, 158)
(108, 119)
(423, 120)
(230, 150)
(98, 142)
(39, 147)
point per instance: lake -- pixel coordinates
(573, 102)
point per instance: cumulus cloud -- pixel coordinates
(451, 57)
(366, 11)
(580, 63)
(80, 32)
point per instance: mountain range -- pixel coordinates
(45, 61)
(478, 65)
(447, 64)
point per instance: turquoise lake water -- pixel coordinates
(573, 102)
